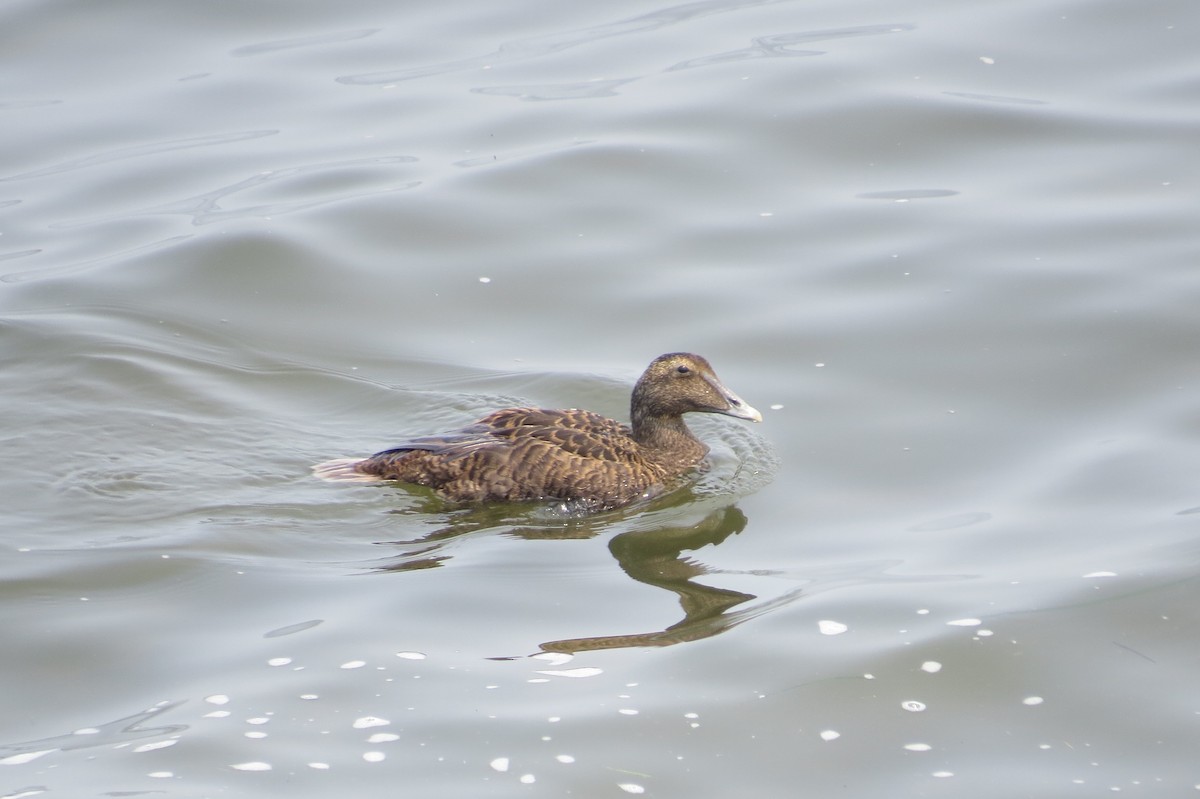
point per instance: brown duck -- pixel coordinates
(570, 455)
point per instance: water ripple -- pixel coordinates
(303, 41)
(208, 207)
(536, 46)
(559, 91)
(778, 45)
(141, 150)
(781, 45)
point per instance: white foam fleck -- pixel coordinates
(217, 714)
(499, 764)
(575, 673)
(383, 737)
(554, 658)
(24, 757)
(528, 779)
(217, 699)
(628, 711)
(1099, 574)
(374, 757)
(258, 720)
(255, 734)
(410, 655)
(564, 758)
(918, 747)
(931, 666)
(156, 745)
(353, 664)
(253, 765)
(631, 787)
(86, 731)
(912, 705)
(965, 623)
(367, 722)
(161, 775)
(942, 774)
(319, 766)
(830, 735)
(279, 661)
(1032, 700)
(828, 627)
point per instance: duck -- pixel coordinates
(572, 456)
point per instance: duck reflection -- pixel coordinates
(653, 555)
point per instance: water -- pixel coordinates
(949, 250)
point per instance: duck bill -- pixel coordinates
(738, 407)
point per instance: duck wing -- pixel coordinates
(575, 432)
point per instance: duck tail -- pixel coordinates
(344, 470)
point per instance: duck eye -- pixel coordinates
(683, 370)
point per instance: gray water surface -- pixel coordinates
(949, 250)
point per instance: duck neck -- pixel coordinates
(668, 435)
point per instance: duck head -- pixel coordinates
(679, 383)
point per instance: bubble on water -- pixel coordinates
(912, 705)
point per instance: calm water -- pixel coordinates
(949, 249)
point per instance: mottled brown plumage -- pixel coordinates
(570, 455)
